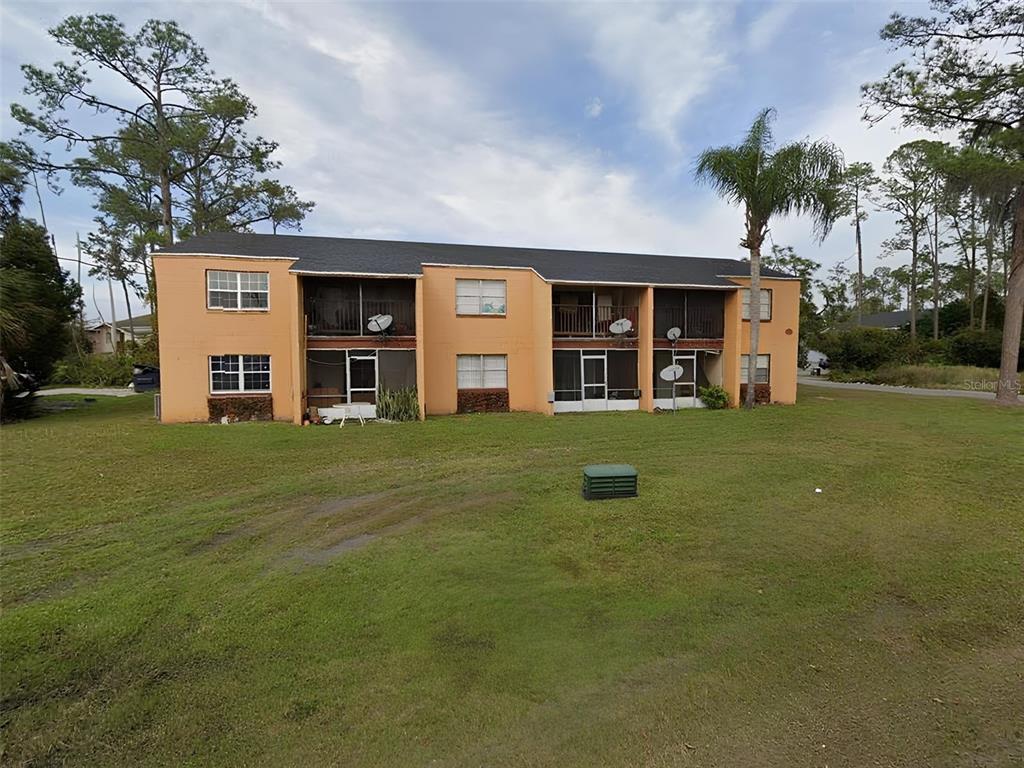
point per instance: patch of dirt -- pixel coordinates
(339, 504)
(308, 556)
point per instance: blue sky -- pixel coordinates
(570, 125)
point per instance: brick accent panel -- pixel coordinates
(482, 400)
(762, 394)
(241, 407)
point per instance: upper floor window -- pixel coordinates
(761, 374)
(766, 303)
(239, 373)
(237, 290)
(482, 372)
(480, 297)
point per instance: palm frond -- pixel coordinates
(760, 136)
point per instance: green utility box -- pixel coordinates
(609, 481)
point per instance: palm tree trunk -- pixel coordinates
(755, 317)
(1006, 391)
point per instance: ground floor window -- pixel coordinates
(239, 373)
(482, 371)
(761, 374)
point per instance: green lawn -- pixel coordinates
(439, 593)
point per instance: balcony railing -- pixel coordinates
(588, 321)
(695, 322)
(348, 317)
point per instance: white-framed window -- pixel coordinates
(482, 372)
(766, 303)
(239, 373)
(237, 290)
(480, 297)
(761, 375)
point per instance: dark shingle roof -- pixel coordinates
(392, 257)
(895, 319)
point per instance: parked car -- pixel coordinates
(145, 378)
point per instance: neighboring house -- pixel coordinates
(889, 320)
(98, 334)
(287, 318)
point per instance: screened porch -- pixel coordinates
(596, 380)
(336, 377)
(701, 368)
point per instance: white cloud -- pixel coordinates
(594, 107)
(407, 147)
(664, 56)
(766, 27)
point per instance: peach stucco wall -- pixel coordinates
(779, 336)
(190, 333)
(645, 348)
(523, 334)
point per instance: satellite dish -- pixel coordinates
(379, 323)
(672, 373)
(623, 325)
(674, 333)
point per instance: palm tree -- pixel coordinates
(801, 178)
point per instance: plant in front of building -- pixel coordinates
(714, 397)
(398, 404)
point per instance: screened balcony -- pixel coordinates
(589, 314)
(697, 314)
(343, 306)
(337, 377)
(595, 380)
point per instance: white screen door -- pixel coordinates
(362, 377)
(686, 385)
(595, 381)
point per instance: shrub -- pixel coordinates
(862, 347)
(714, 397)
(94, 371)
(398, 404)
(928, 376)
(241, 408)
(762, 393)
(974, 347)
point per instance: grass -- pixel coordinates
(927, 376)
(438, 593)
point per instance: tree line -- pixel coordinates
(965, 74)
(164, 145)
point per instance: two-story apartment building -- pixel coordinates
(315, 322)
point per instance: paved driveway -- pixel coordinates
(101, 391)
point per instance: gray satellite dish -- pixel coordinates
(672, 373)
(674, 333)
(379, 323)
(623, 325)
